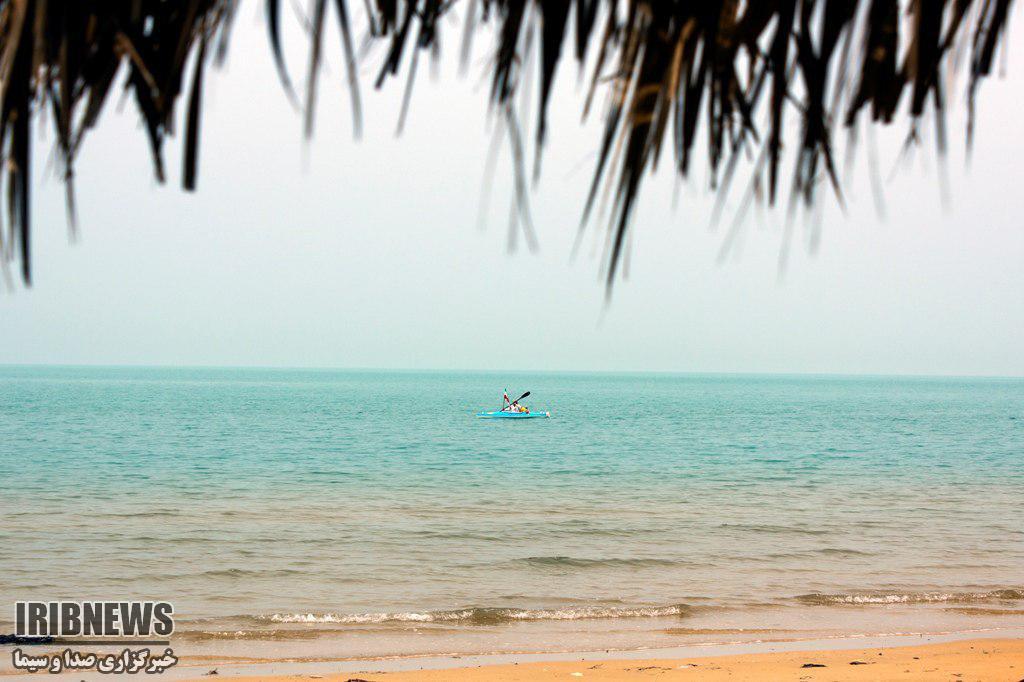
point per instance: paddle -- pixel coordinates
(515, 401)
(520, 398)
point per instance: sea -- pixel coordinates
(348, 514)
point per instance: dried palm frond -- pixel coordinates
(726, 71)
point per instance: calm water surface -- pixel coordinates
(277, 504)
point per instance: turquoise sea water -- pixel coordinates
(301, 504)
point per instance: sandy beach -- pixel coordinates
(979, 659)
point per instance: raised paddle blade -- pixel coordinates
(522, 396)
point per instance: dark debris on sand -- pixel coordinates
(18, 639)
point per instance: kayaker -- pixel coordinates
(513, 405)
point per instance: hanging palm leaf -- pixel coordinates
(671, 72)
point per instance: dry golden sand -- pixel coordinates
(989, 659)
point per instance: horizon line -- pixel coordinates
(478, 370)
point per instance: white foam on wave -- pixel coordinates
(914, 597)
(480, 615)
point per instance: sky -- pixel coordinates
(371, 253)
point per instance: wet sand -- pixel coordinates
(977, 659)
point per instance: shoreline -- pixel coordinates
(981, 655)
(759, 658)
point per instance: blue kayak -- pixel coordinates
(513, 415)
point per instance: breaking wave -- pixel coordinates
(258, 635)
(817, 599)
(482, 616)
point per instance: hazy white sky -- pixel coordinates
(368, 254)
